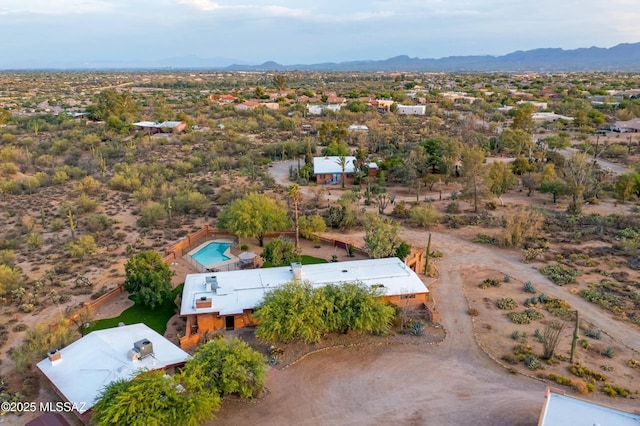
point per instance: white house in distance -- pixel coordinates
(152, 127)
(225, 300)
(549, 117)
(411, 109)
(81, 370)
(630, 126)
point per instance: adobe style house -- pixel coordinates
(81, 370)
(152, 127)
(226, 300)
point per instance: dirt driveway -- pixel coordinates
(451, 383)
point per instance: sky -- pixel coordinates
(46, 32)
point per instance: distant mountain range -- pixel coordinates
(623, 57)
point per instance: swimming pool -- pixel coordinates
(212, 253)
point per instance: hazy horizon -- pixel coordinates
(50, 33)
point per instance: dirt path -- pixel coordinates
(452, 383)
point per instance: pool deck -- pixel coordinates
(224, 265)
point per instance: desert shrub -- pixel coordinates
(400, 210)
(489, 282)
(560, 274)
(594, 334)
(423, 216)
(539, 336)
(608, 352)
(584, 372)
(561, 380)
(613, 391)
(473, 312)
(417, 329)
(581, 386)
(515, 335)
(556, 307)
(506, 303)
(56, 225)
(532, 362)
(525, 317)
(484, 239)
(507, 278)
(633, 363)
(453, 208)
(529, 288)
(509, 359)
(531, 254)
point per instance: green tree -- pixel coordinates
(152, 398)
(356, 307)
(310, 225)
(280, 82)
(253, 216)
(111, 103)
(473, 173)
(9, 279)
(292, 311)
(523, 118)
(280, 252)
(228, 367)
(148, 278)
(578, 175)
(151, 213)
(516, 141)
(381, 236)
(500, 179)
(627, 184)
(552, 184)
(5, 116)
(335, 149)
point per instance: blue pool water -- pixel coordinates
(212, 253)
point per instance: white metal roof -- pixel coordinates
(564, 410)
(100, 357)
(244, 289)
(330, 164)
(156, 125)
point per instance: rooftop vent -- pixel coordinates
(143, 347)
(212, 281)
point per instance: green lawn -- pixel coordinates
(154, 318)
(304, 259)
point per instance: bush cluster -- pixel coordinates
(525, 317)
(506, 303)
(560, 274)
(489, 282)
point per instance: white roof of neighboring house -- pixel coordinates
(633, 124)
(549, 116)
(236, 291)
(100, 357)
(330, 165)
(358, 127)
(564, 410)
(156, 125)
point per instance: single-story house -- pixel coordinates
(411, 109)
(546, 117)
(630, 126)
(152, 127)
(81, 370)
(226, 300)
(248, 105)
(317, 109)
(328, 170)
(560, 409)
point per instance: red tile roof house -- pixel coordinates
(247, 105)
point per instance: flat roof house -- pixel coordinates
(327, 170)
(79, 371)
(225, 300)
(560, 409)
(152, 127)
(412, 109)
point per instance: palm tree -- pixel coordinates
(294, 194)
(342, 162)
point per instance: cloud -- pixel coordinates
(204, 5)
(54, 7)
